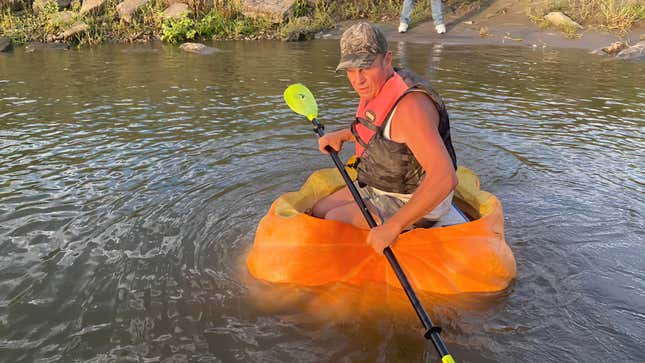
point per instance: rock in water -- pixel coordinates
(197, 48)
(614, 48)
(635, 52)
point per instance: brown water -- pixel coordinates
(132, 179)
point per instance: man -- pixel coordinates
(406, 167)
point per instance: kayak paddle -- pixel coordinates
(302, 102)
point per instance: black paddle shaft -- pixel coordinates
(432, 332)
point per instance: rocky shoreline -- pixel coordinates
(500, 22)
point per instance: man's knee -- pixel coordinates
(320, 209)
(332, 201)
(348, 213)
(336, 214)
(342, 213)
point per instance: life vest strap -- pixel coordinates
(357, 136)
(369, 124)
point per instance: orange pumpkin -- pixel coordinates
(293, 247)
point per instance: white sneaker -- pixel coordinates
(403, 27)
(441, 28)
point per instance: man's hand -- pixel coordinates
(382, 236)
(333, 139)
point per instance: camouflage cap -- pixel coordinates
(359, 46)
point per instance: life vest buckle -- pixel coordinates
(353, 164)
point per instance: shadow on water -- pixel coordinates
(132, 180)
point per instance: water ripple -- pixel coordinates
(132, 183)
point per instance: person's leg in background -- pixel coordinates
(406, 13)
(437, 16)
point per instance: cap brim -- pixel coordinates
(356, 61)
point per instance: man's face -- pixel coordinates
(368, 81)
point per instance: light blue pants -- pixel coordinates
(437, 11)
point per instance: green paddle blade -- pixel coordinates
(301, 101)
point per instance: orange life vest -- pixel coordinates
(385, 164)
(371, 115)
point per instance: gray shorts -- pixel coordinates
(387, 205)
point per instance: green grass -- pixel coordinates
(28, 26)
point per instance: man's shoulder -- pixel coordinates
(413, 110)
(416, 101)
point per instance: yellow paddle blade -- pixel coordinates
(301, 101)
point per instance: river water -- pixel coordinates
(132, 179)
